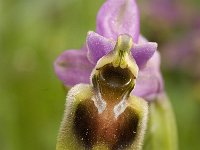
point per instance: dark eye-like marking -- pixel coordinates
(84, 124)
(89, 130)
(115, 77)
(127, 130)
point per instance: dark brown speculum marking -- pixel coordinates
(84, 127)
(91, 128)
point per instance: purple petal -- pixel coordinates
(72, 67)
(118, 17)
(149, 82)
(98, 46)
(143, 52)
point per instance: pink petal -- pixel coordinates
(118, 17)
(72, 67)
(149, 82)
(143, 52)
(98, 46)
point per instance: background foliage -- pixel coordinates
(34, 32)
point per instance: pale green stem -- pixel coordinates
(162, 131)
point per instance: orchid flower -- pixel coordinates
(115, 81)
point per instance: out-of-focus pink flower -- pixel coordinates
(176, 26)
(184, 53)
(166, 11)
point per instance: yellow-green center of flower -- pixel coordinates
(122, 50)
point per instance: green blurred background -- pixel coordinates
(34, 32)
